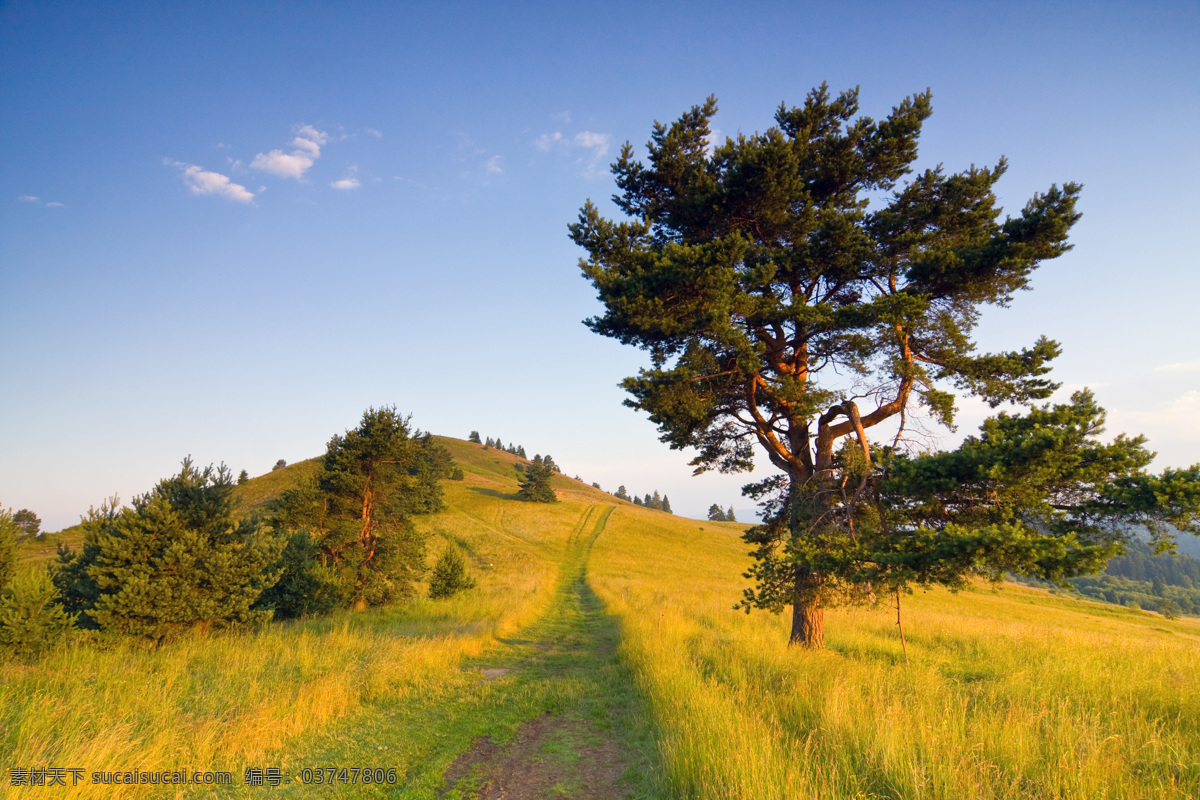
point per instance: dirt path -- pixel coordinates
(578, 748)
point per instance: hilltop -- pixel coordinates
(600, 655)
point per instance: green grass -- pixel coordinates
(619, 619)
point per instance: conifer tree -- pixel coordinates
(31, 618)
(27, 522)
(243, 477)
(175, 561)
(716, 513)
(637, 500)
(450, 575)
(308, 584)
(729, 515)
(666, 505)
(358, 507)
(474, 437)
(8, 545)
(655, 502)
(521, 451)
(779, 279)
(621, 494)
(535, 484)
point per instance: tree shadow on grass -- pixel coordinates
(493, 493)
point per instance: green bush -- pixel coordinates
(308, 585)
(31, 618)
(450, 575)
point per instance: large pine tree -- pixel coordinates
(358, 509)
(778, 280)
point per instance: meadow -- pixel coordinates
(601, 656)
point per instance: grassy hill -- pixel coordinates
(600, 656)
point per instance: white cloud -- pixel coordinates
(308, 144)
(27, 198)
(345, 184)
(597, 142)
(285, 165)
(563, 116)
(201, 181)
(1179, 366)
(375, 133)
(594, 146)
(493, 166)
(55, 204)
(546, 140)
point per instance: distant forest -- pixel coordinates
(1165, 582)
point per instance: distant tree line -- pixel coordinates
(718, 514)
(514, 449)
(182, 558)
(1140, 578)
(654, 501)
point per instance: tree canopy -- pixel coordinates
(357, 509)
(535, 482)
(778, 280)
(176, 560)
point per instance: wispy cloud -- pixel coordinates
(596, 142)
(375, 133)
(1179, 366)
(493, 166)
(346, 184)
(590, 148)
(547, 141)
(307, 149)
(30, 198)
(201, 181)
(563, 116)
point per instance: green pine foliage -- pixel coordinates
(666, 504)
(358, 507)
(31, 618)
(176, 560)
(474, 437)
(730, 516)
(308, 585)
(767, 274)
(716, 513)
(450, 575)
(8, 546)
(28, 523)
(243, 477)
(535, 483)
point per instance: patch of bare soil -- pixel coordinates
(548, 757)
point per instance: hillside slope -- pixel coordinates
(600, 655)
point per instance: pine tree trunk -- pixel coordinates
(808, 616)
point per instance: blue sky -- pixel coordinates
(226, 229)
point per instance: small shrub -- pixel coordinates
(280, 464)
(31, 618)
(458, 474)
(450, 575)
